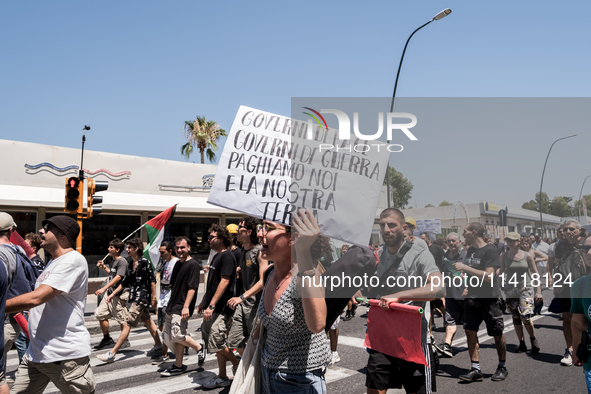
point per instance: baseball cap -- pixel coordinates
(67, 225)
(410, 220)
(513, 236)
(232, 228)
(6, 221)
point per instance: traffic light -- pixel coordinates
(94, 187)
(74, 189)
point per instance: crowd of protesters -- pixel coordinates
(255, 290)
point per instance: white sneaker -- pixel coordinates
(217, 382)
(335, 358)
(567, 360)
(108, 357)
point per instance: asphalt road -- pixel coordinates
(133, 372)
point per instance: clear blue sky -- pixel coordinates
(136, 70)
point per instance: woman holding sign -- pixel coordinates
(293, 312)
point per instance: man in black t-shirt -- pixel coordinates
(216, 313)
(246, 300)
(183, 294)
(483, 300)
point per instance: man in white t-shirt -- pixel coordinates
(60, 344)
(540, 245)
(165, 272)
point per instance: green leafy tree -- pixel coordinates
(400, 189)
(534, 204)
(429, 206)
(559, 207)
(202, 134)
(445, 203)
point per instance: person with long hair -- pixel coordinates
(517, 265)
(292, 310)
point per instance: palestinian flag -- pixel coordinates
(156, 229)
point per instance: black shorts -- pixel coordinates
(490, 310)
(386, 372)
(565, 304)
(454, 312)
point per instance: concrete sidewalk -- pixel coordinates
(93, 327)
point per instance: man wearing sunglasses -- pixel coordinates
(252, 268)
(216, 314)
(569, 265)
(60, 343)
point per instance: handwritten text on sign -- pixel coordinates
(269, 168)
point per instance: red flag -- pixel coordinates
(23, 323)
(396, 332)
(16, 239)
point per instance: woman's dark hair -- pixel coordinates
(251, 223)
(221, 233)
(525, 240)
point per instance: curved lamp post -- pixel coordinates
(437, 17)
(581, 196)
(542, 181)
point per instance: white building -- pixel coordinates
(455, 218)
(32, 188)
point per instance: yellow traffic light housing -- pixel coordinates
(73, 198)
(94, 187)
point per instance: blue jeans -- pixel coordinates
(22, 342)
(286, 383)
(588, 380)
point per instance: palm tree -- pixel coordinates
(202, 134)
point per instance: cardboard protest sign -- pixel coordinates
(428, 225)
(269, 168)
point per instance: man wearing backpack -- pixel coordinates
(569, 266)
(10, 255)
(60, 343)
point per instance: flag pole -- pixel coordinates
(126, 238)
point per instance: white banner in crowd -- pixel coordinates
(269, 168)
(428, 225)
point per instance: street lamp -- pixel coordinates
(437, 17)
(542, 181)
(581, 196)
